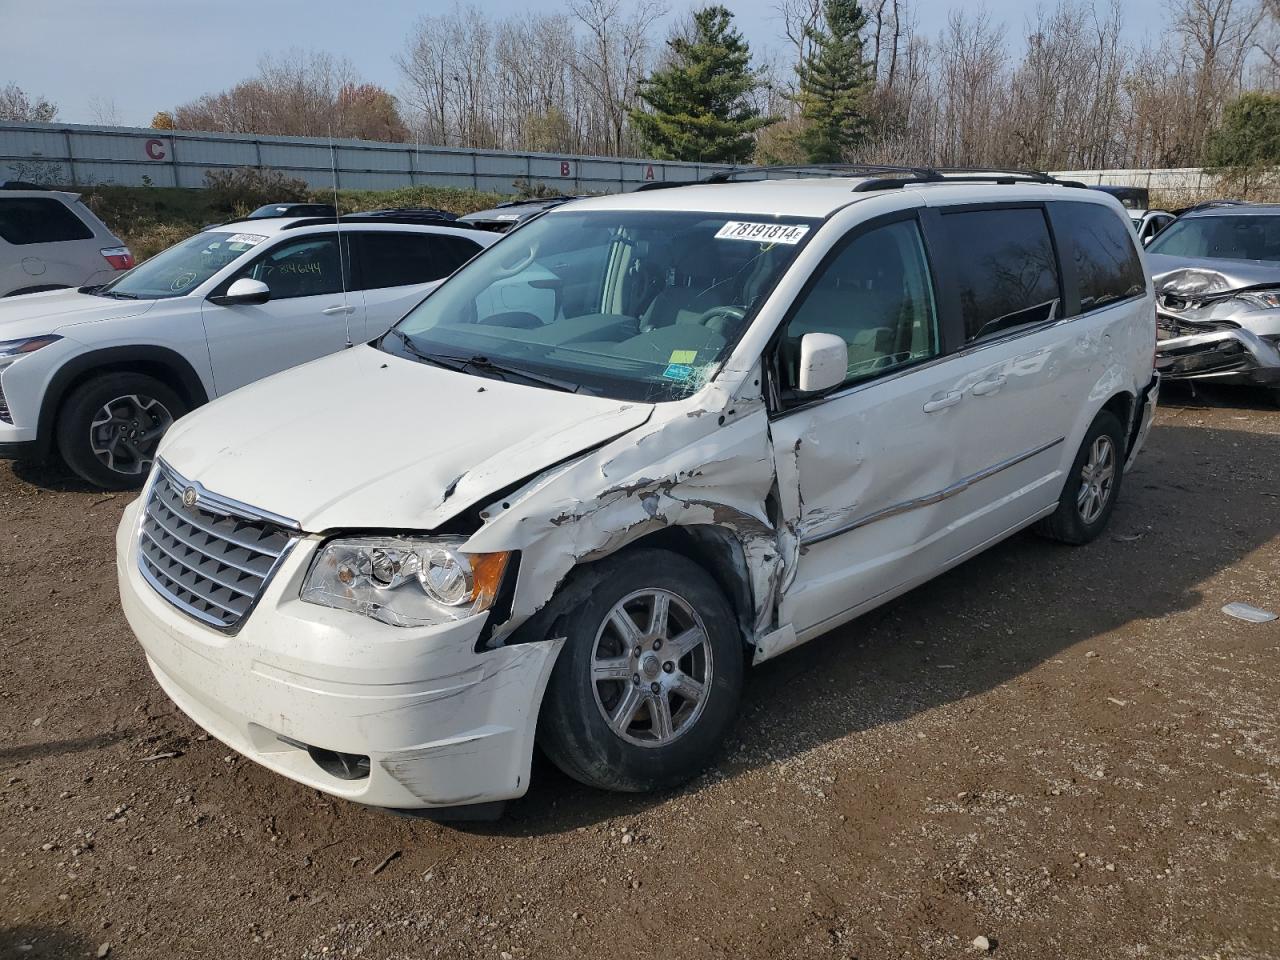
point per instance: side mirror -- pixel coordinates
(245, 291)
(824, 362)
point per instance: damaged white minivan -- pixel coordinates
(640, 443)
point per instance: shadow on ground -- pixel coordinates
(44, 943)
(989, 620)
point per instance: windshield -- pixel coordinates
(183, 267)
(1221, 238)
(634, 304)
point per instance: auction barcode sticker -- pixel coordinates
(789, 233)
(248, 239)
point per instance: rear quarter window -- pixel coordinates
(1101, 248)
(25, 220)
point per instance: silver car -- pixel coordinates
(1217, 278)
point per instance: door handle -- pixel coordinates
(985, 387)
(946, 400)
(335, 311)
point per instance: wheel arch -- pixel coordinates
(163, 363)
(715, 549)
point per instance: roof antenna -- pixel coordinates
(337, 220)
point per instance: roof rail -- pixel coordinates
(815, 169)
(1207, 204)
(995, 175)
(23, 185)
(420, 215)
(879, 176)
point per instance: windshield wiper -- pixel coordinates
(479, 362)
(115, 295)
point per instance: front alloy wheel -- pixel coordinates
(126, 431)
(109, 428)
(651, 667)
(646, 688)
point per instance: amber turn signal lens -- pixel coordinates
(486, 576)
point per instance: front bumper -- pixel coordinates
(1230, 355)
(441, 724)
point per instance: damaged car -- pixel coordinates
(1217, 277)
(636, 446)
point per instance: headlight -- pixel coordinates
(404, 581)
(11, 350)
(1261, 299)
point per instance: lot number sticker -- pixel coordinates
(247, 239)
(789, 233)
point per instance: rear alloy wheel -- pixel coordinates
(646, 688)
(1092, 486)
(110, 428)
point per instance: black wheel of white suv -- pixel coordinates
(647, 685)
(1093, 485)
(109, 427)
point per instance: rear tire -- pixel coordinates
(1092, 486)
(636, 701)
(109, 428)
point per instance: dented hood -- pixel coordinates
(366, 439)
(1229, 274)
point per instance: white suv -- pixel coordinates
(100, 373)
(50, 240)
(641, 442)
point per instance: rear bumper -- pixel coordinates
(1233, 356)
(1144, 415)
(440, 724)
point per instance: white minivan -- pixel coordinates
(639, 443)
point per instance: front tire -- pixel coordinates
(1093, 485)
(647, 686)
(109, 428)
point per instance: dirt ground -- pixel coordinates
(1071, 752)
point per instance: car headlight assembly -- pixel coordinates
(404, 581)
(1261, 299)
(11, 350)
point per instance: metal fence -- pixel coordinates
(81, 155)
(1191, 181)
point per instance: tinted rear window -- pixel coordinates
(401, 259)
(1101, 246)
(1006, 270)
(39, 220)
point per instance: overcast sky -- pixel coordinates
(149, 55)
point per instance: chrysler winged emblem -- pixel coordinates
(189, 497)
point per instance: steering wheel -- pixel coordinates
(728, 311)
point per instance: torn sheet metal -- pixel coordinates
(715, 469)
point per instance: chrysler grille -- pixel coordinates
(210, 558)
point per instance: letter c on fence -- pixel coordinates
(155, 149)
(565, 168)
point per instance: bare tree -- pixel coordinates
(16, 105)
(298, 93)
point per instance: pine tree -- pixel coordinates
(835, 85)
(698, 104)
